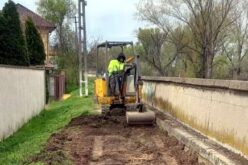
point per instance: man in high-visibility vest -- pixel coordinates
(115, 70)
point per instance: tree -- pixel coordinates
(160, 49)
(3, 31)
(57, 11)
(35, 45)
(60, 13)
(152, 41)
(236, 47)
(221, 67)
(187, 61)
(92, 61)
(206, 19)
(13, 47)
(68, 59)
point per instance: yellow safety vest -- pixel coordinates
(115, 66)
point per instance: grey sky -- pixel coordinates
(106, 19)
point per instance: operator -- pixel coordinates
(115, 70)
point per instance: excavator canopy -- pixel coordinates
(110, 44)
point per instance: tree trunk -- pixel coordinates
(208, 69)
(236, 73)
(201, 73)
(209, 63)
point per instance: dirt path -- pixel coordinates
(95, 141)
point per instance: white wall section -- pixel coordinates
(22, 96)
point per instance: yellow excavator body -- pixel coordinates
(128, 94)
(100, 86)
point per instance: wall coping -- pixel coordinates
(39, 67)
(212, 83)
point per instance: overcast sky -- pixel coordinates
(106, 19)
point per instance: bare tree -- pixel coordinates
(153, 42)
(206, 19)
(58, 12)
(92, 46)
(236, 47)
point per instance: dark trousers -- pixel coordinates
(115, 83)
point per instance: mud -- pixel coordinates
(94, 140)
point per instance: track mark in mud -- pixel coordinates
(94, 140)
(97, 151)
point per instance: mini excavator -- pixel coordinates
(128, 99)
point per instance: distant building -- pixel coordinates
(44, 27)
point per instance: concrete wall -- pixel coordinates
(22, 96)
(217, 108)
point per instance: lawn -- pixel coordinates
(30, 139)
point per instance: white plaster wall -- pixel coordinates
(22, 96)
(221, 110)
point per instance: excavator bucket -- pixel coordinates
(142, 118)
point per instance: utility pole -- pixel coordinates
(82, 27)
(79, 56)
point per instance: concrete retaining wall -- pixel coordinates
(22, 96)
(217, 108)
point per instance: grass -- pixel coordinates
(30, 139)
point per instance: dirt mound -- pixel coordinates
(97, 140)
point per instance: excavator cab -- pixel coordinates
(128, 99)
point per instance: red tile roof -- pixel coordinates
(38, 20)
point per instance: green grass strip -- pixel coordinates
(31, 138)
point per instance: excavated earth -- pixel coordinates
(95, 140)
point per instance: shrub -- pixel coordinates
(13, 47)
(35, 45)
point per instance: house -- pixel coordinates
(44, 27)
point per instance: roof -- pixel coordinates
(110, 44)
(38, 20)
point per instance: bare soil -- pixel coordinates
(94, 140)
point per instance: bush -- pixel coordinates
(35, 45)
(13, 47)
